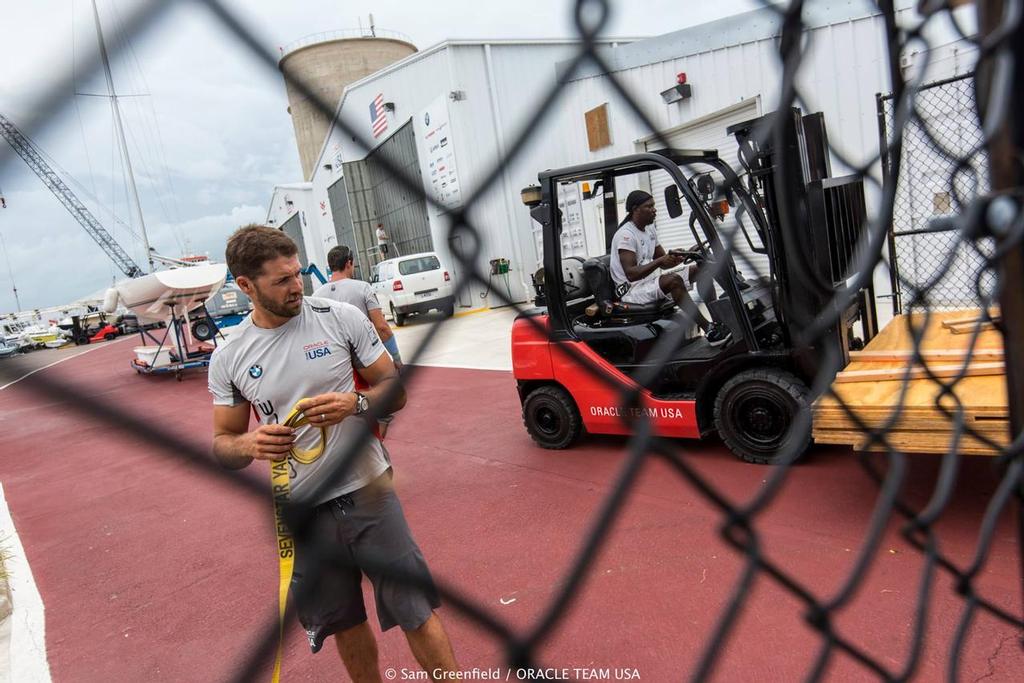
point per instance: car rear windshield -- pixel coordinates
(418, 265)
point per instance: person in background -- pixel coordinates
(343, 286)
(383, 242)
(636, 258)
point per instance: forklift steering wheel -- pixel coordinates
(702, 249)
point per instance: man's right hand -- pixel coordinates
(670, 260)
(268, 442)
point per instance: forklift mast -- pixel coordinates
(814, 224)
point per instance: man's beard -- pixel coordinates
(281, 309)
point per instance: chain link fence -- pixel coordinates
(943, 168)
(946, 176)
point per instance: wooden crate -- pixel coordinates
(921, 425)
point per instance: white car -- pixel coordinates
(413, 284)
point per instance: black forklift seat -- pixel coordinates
(598, 274)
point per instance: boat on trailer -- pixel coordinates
(168, 296)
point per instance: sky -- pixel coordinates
(207, 124)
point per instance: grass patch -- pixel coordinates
(4, 556)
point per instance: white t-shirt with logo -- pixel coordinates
(351, 291)
(316, 352)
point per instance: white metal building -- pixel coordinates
(452, 110)
(291, 208)
(733, 68)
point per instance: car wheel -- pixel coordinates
(757, 415)
(204, 329)
(448, 310)
(399, 317)
(551, 417)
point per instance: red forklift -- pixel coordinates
(580, 352)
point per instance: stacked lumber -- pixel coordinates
(872, 386)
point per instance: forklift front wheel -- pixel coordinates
(551, 417)
(756, 413)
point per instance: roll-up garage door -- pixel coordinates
(707, 132)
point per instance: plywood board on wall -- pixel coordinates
(598, 135)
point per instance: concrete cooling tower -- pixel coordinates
(327, 62)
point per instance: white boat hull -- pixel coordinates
(161, 295)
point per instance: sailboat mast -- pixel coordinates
(119, 127)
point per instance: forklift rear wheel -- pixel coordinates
(399, 317)
(551, 417)
(755, 413)
(110, 336)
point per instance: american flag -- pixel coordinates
(378, 119)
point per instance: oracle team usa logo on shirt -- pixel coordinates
(316, 350)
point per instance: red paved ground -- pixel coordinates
(153, 571)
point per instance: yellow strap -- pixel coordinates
(280, 486)
(297, 419)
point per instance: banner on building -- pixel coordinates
(436, 151)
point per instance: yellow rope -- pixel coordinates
(280, 483)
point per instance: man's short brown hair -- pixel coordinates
(252, 246)
(338, 257)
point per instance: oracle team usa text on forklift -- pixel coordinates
(753, 390)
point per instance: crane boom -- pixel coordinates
(27, 151)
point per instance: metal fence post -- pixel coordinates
(883, 153)
(1005, 150)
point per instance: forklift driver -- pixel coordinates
(639, 257)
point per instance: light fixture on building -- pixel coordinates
(531, 195)
(457, 95)
(678, 92)
(389, 106)
(328, 167)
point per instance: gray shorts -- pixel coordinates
(369, 529)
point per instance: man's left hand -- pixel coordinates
(328, 409)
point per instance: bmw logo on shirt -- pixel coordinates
(256, 371)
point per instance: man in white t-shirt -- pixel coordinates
(343, 286)
(301, 353)
(383, 242)
(636, 258)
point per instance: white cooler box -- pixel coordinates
(153, 356)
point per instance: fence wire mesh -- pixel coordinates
(944, 167)
(958, 268)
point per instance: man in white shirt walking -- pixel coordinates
(302, 353)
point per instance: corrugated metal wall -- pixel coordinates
(293, 228)
(375, 198)
(341, 217)
(505, 98)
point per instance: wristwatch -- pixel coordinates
(362, 403)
